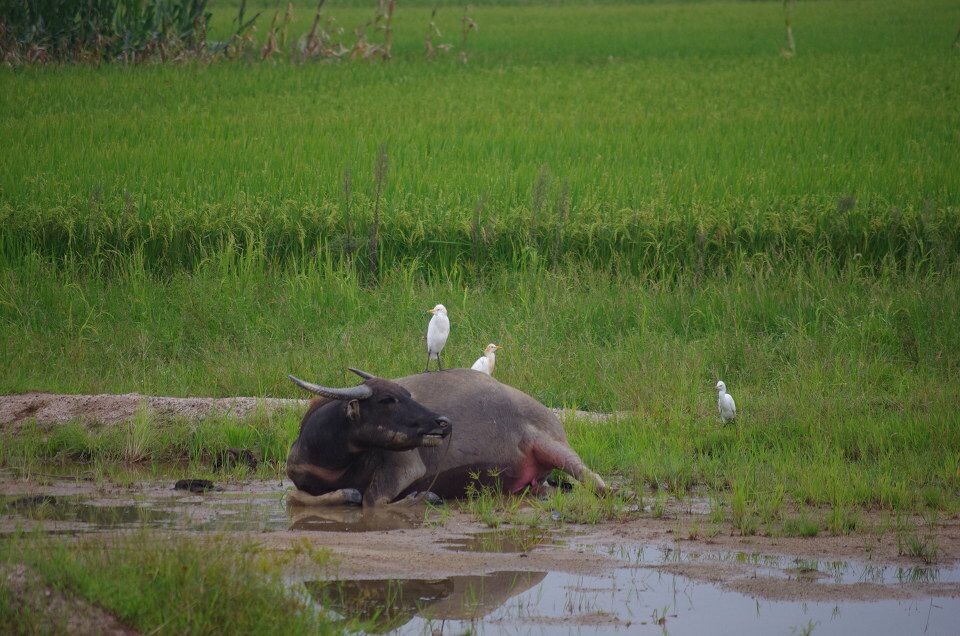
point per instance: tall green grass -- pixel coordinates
(848, 341)
(705, 242)
(873, 460)
(679, 136)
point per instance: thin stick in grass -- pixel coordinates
(475, 230)
(388, 29)
(540, 187)
(563, 212)
(380, 178)
(791, 49)
(347, 223)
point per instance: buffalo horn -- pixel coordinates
(360, 392)
(362, 374)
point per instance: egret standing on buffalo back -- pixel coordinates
(437, 332)
(487, 361)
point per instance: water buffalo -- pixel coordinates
(439, 432)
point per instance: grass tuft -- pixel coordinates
(172, 585)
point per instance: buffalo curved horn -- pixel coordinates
(361, 392)
(362, 374)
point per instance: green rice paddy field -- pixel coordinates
(634, 199)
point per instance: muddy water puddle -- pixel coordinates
(213, 512)
(641, 589)
(83, 514)
(410, 604)
(45, 508)
(832, 571)
(627, 600)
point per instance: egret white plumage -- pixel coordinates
(437, 332)
(487, 361)
(725, 403)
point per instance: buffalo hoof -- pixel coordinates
(352, 496)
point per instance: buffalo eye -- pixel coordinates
(388, 400)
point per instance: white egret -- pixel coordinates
(487, 361)
(725, 403)
(437, 332)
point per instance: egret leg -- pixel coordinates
(439, 362)
(426, 369)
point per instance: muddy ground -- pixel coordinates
(555, 576)
(440, 571)
(416, 542)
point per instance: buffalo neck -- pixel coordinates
(327, 435)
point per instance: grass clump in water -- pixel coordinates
(918, 540)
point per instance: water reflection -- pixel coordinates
(505, 540)
(777, 566)
(107, 516)
(383, 605)
(354, 518)
(624, 601)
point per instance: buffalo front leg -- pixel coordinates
(335, 498)
(550, 452)
(394, 478)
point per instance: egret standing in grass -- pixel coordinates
(725, 403)
(437, 332)
(487, 361)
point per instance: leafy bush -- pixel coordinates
(101, 30)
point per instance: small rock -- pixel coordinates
(194, 485)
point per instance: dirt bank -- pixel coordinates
(57, 408)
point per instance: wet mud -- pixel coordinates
(418, 570)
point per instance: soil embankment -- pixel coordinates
(57, 408)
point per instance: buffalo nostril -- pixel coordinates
(443, 422)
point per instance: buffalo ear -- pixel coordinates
(353, 411)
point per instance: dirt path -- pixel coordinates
(57, 408)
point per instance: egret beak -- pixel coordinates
(431, 311)
(497, 347)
